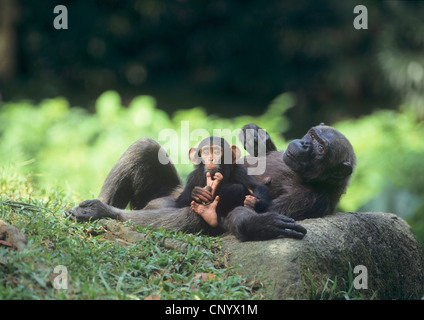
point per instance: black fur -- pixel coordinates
(308, 179)
(234, 187)
(304, 182)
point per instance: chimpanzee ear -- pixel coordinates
(236, 153)
(342, 171)
(193, 156)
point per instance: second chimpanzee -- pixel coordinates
(215, 161)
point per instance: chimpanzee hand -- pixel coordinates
(90, 210)
(201, 195)
(269, 225)
(206, 195)
(255, 140)
(250, 202)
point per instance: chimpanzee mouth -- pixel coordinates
(291, 156)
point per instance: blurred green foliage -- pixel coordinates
(73, 149)
(390, 149)
(389, 146)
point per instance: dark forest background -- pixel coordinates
(231, 57)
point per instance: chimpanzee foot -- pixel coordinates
(207, 212)
(90, 210)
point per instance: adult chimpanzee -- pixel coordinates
(309, 177)
(305, 181)
(215, 158)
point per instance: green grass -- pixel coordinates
(99, 268)
(337, 289)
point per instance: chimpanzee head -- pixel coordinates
(322, 155)
(214, 153)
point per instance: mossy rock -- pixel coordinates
(382, 242)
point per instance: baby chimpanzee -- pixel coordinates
(216, 168)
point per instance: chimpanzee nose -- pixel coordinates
(305, 144)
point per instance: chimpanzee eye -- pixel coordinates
(312, 136)
(321, 148)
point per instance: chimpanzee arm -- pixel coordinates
(256, 140)
(184, 199)
(257, 190)
(247, 225)
(295, 206)
(261, 193)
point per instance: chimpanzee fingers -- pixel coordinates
(201, 195)
(206, 197)
(88, 203)
(201, 199)
(218, 176)
(270, 225)
(285, 218)
(250, 202)
(291, 228)
(290, 225)
(209, 180)
(295, 227)
(291, 234)
(300, 228)
(77, 214)
(69, 214)
(215, 183)
(90, 210)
